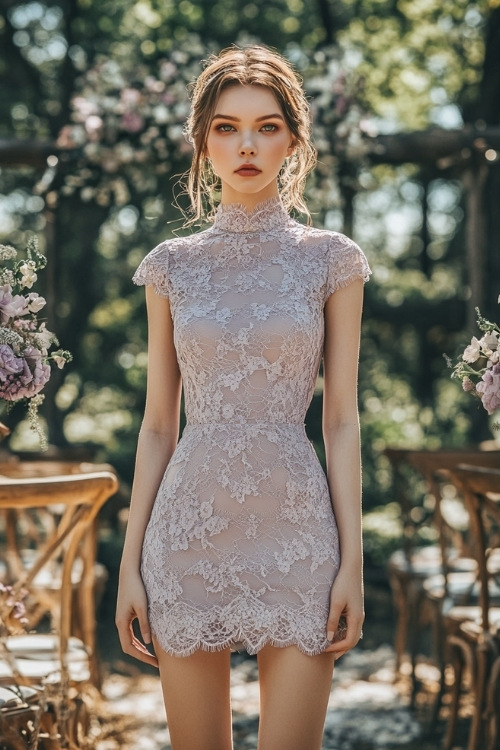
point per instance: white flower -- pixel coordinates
(35, 302)
(29, 276)
(490, 341)
(7, 252)
(44, 338)
(473, 351)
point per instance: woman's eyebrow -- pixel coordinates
(257, 119)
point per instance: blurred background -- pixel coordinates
(405, 97)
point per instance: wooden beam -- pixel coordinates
(435, 146)
(19, 153)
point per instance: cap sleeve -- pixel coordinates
(346, 262)
(154, 270)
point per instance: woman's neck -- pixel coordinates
(248, 200)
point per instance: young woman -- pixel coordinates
(236, 537)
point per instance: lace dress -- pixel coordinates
(242, 547)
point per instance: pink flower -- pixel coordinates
(93, 124)
(84, 107)
(132, 122)
(130, 97)
(489, 388)
(467, 384)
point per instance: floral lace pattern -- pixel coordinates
(242, 546)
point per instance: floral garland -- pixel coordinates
(128, 123)
(479, 366)
(25, 341)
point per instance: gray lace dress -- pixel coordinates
(242, 547)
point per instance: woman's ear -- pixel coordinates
(291, 148)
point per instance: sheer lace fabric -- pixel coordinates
(242, 546)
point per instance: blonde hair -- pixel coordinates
(257, 66)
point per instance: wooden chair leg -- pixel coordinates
(459, 657)
(414, 605)
(439, 638)
(492, 706)
(476, 734)
(402, 621)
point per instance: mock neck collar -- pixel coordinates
(268, 214)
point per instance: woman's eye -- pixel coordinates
(269, 127)
(225, 128)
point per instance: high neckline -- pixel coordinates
(268, 214)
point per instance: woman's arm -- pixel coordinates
(157, 440)
(342, 444)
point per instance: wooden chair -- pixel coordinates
(416, 563)
(26, 530)
(476, 642)
(20, 715)
(63, 662)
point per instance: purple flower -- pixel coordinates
(489, 389)
(22, 377)
(9, 363)
(11, 306)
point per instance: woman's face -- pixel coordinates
(248, 141)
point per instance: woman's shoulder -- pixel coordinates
(156, 267)
(340, 256)
(177, 245)
(328, 240)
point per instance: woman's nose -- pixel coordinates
(247, 146)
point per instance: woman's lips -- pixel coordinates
(248, 171)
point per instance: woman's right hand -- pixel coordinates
(132, 605)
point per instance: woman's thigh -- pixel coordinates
(196, 691)
(294, 692)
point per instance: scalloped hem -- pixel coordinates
(242, 645)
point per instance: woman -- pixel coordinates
(235, 532)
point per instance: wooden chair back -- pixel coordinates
(73, 500)
(481, 490)
(432, 466)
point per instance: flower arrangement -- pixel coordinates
(479, 366)
(25, 340)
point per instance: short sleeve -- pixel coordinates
(346, 263)
(154, 270)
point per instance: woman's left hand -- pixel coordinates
(346, 601)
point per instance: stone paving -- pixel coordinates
(367, 710)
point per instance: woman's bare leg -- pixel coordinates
(196, 691)
(294, 692)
